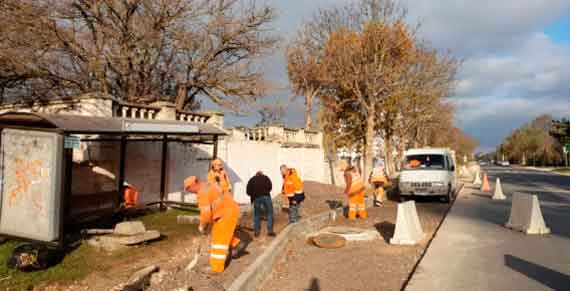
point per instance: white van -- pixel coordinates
(428, 172)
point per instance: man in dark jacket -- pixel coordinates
(259, 190)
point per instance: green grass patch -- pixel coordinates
(562, 170)
(83, 260)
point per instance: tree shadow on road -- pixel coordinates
(546, 276)
(386, 229)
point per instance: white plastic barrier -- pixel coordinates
(498, 195)
(477, 181)
(408, 227)
(526, 215)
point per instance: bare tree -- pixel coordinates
(137, 50)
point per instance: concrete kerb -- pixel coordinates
(257, 272)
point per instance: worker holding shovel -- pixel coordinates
(355, 191)
(218, 208)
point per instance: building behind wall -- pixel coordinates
(244, 151)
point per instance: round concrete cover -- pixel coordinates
(329, 241)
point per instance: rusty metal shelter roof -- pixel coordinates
(78, 124)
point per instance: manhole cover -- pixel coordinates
(329, 241)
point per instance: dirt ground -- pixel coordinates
(374, 265)
(318, 199)
(177, 249)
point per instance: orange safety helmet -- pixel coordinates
(189, 182)
(217, 162)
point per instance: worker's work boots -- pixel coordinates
(239, 250)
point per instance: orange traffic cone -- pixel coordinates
(485, 187)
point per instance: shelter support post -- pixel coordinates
(163, 166)
(122, 160)
(215, 153)
(66, 197)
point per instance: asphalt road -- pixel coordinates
(474, 251)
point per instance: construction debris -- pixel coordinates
(129, 228)
(139, 280)
(125, 234)
(526, 215)
(408, 227)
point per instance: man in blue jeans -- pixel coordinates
(259, 190)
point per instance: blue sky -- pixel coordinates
(516, 59)
(559, 31)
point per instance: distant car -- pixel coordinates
(505, 163)
(483, 163)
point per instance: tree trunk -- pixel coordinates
(390, 163)
(369, 150)
(309, 109)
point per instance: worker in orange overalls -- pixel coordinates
(219, 209)
(217, 175)
(292, 190)
(130, 196)
(354, 190)
(378, 180)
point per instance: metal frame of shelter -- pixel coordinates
(112, 129)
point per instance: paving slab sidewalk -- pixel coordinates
(473, 251)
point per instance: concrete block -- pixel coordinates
(498, 195)
(129, 228)
(526, 215)
(408, 227)
(477, 180)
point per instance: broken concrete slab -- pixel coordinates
(105, 243)
(526, 215)
(148, 235)
(408, 227)
(98, 231)
(129, 228)
(114, 242)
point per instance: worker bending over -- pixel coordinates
(293, 191)
(218, 208)
(354, 190)
(217, 175)
(378, 180)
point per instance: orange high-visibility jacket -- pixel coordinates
(356, 184)
(130, 196)
(221, 178)
(292, 184)
(215, 203)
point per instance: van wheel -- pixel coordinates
(449, 197)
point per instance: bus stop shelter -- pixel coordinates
(67, 131)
